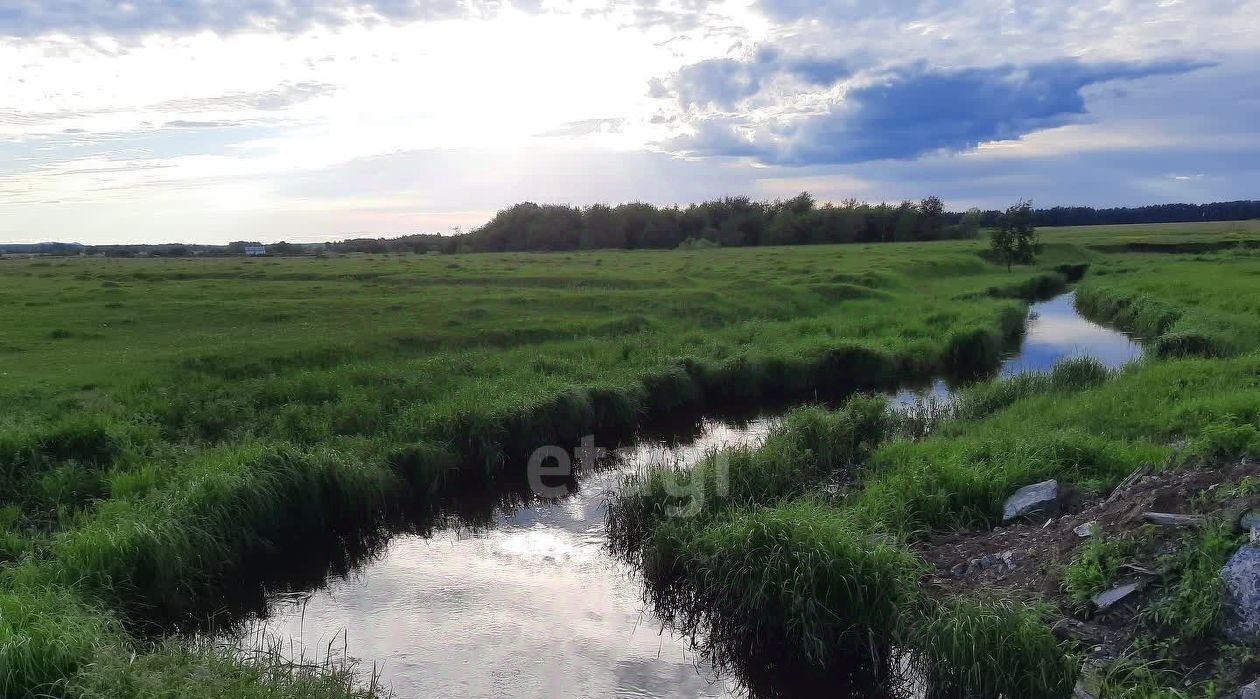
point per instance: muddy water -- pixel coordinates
(533, 606)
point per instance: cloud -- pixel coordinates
(586, 127)
(914, 111)
(790, 10)
(243, 108)
(137, 17)
(725, 82)
(272, 100)
(189, 124)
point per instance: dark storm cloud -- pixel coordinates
(725, 82)
(915, 111)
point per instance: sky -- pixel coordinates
(208, 121)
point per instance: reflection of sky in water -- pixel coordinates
(535, 607)
(1055, 331)
(532, 608)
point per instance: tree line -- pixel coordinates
(730, 221)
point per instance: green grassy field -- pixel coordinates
(1158, 235)
(166, 420)
(755, 574)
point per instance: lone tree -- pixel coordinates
(1015, 239)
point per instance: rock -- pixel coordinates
(1010, 559)
(1038, 498)
(1004, 561)
(1104, 601)
(1251, 691)
(1089, 682)
(1242, 595)
(1086, 530)
(1171, 520)
(1082, 689)
(1250, 520)
(1079, 631)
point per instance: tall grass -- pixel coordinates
(166, 552)
(785, 597)
(971, 648)
(810, 445)
(1171, 303)
(207, 670)
(47, 633)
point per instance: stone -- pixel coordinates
(1104, 601)
(1010, 559)
(1038, 498)
(1251, 691)
(1079, 631)
(1165, 519)
(1250, 520)
(1086, 530)
(1004, 561)
(1242, 595)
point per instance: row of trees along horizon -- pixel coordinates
(730, 221)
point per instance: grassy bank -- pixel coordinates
(723, 573)
(174, 421)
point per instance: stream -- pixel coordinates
(529, 603)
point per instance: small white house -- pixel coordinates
(255, 250)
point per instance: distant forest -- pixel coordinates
(732, 221)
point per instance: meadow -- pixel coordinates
(791, 577)
(167, 421)
(1159, 237)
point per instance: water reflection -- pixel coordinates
(527, 602)
(531, 606)
(1055, 331)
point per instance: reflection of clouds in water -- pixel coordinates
(536, 607)
(540, 545)
(1055, 331)
(532, 607)
(714, 436)
(639, 679)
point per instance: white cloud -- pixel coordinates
(226, 105)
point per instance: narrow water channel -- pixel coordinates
(533, 605)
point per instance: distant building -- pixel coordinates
(255, 250)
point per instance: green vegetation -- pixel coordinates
(169, 421)
(1014, 239)
(991, 648)
(207, 671)
(174, 419)
(1079, 423)
(1191, 609)
(1199, 237)
(1095, 565)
